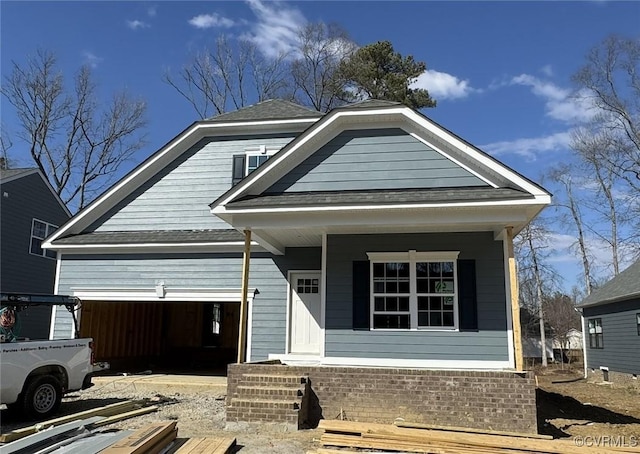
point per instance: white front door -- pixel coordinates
(305, 313)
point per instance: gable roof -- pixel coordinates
(375, 112)
(625, 285)
(270, 109)
(9, 175)
(264, 120)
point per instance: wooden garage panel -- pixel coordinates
(122, 329)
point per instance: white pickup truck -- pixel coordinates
(35, 374)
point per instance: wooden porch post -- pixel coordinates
(242, 331)
(515, 302)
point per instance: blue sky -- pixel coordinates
(500, 71)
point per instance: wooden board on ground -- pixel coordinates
(145, 440)
(208, 445)
(415, 425)
(126, 415)
(390, 437)
(107, 410)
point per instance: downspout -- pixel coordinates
(242, 331)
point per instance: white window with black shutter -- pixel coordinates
(414, 290)
(253, 157)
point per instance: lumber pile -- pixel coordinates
(113, 413)
(439, 440)
(83, 433)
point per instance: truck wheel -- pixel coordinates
(41, 397)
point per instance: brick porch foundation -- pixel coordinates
(483, 400)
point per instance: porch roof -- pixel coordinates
(379, 197)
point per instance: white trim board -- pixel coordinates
(212, 295)
(389, 362)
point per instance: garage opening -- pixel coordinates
(164, 337)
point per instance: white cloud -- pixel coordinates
(91, 59)
(529, 148)
(211, 21)
(559, 102)
(277, 27)
(137, 24)
(547, 70)
(152, 11)
(443, 85)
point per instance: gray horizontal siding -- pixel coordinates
(374, 159)
(178, 197)
(267, 274)
(20, 271)
(621, 352)
(488, 343)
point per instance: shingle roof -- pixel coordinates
(378, 197)
(14, 173)
(625, 285)
(371, 103)
(152, 236)
(271, 109)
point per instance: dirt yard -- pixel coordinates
(570, 409)
(583, 409)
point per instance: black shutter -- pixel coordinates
(237, 173)
(467, 299)
(361, 295)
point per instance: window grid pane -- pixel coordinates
(391, 290)
(436, 292)
(39, 231)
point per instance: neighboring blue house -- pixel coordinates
(30, 211)
(378, 238)
(611, 327)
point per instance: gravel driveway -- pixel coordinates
(198, 409)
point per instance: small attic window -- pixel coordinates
(252, 158)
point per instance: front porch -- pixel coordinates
(299, 396)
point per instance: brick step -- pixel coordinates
(271, 380)
(257, 403)
(270, 392)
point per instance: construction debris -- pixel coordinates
(108, 410)
(392, 438)
(82, 433)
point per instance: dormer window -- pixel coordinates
(253, 157)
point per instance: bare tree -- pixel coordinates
(610, 82)
(5, 145)
(563, 176)
(562, 317)
(228, 78)
(536, 277)
(75, 142)
(321, 49)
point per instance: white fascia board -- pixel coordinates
(269, 243)
(538, 200)
(163, 157)
(214, 295)
(488, 218)
(153, 248)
